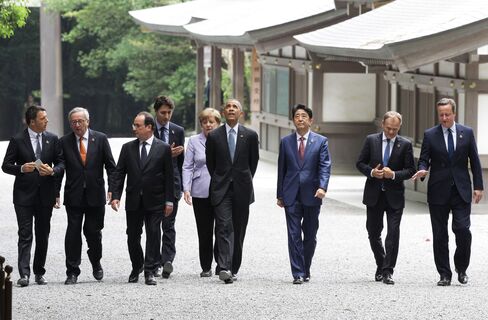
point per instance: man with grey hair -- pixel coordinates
(85, 153)
(386, 160)
(446, 149)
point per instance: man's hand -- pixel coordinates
(109, 197)
(378, 172)
(187, 197)
(168, 210)
(45, 170)
(115, 204)
(477, 195)
(28, 167)
(387, 173)
(280, 203)
(320, 193)
(420, 174)
(57, 204)
(176, 151)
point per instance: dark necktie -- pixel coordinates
(386, 156)
(232, 143)
(82, 152)
(164, 137)
(143, 153)
(38, 147)
(450, 143)
(301, 149)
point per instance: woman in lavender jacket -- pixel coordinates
(196, 184)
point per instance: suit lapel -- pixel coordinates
(240, 138)
(171, 133)
(28, 143)
(91, 147)
(440, 139)
(74, 147)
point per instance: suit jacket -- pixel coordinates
(401, 162)
(223, 171)
(445, 171)
(176, 135)
(153, 182)
(88, 178)
(196, 178)
(302, 179)
(30, 187)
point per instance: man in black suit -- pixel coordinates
(147, 163)
(232, 154)
(34, 158)
(85, 153)
(386, 159)
(446, 149)
(174, 135)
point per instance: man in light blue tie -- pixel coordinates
(386, 160)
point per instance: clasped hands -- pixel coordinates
(380, 172)
(44, 169)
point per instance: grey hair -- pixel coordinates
(79, 109)
(393, 114)
(445, 102)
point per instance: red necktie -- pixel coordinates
(82, 152)
(301, 149)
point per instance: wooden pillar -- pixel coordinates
(200, 86)
(216, 77)
(51, 69)
(238, 74)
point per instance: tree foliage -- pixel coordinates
(13, 15)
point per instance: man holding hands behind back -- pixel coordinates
(446, 149)
(303, 177)
(386, 159)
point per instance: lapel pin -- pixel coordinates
(172, 132)
(460, 136)
(47, 141)
(242, 136)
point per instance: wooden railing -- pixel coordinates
(5, 291)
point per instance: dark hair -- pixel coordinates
(301, 107)
(148, 118)
(163, 101)
(445, 102)
(31, 113)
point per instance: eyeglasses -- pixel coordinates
(77, 122)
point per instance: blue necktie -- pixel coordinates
(164, 137)
(143, 153)
(386, 156)
(232, 143)
(38, 147)
(450, 143)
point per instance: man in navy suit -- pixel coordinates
(232, 154)
(34, 157)
(174, 135)
(303, 177)
(386, 159)
(85, 153)
(149, 195)
(446, 150)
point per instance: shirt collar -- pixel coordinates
(384, 138)
(305, 136)
(160, 125)
(85, 136)
(148, 141)
(453, 128)
(32, 133)
(227, 127)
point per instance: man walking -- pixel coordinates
(446, 150)
(146, 162)
(303, 177)
(33, 157)
(85, 152)
(232, 154)
(386, 160)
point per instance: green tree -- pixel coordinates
(13, 15)
(151, 64)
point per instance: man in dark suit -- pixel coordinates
(174, 135)
(232, 154)
(386, 159)
(146, 162)
(446, 149)
(85, 153)
(34, 158)
(303, 177)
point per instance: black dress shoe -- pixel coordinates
(226, 276)
(217, 270)
(23, 281)
(71, 279)
(387, 279)
(157, 273)
(150, 280)
(98, 272)
(167, 269)
(40, 280)
(298, 280)
(378, 276)
(307, 277)
(206, 274)
(445, 281)
(234, 277)
(134, 275)
(463, 277)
